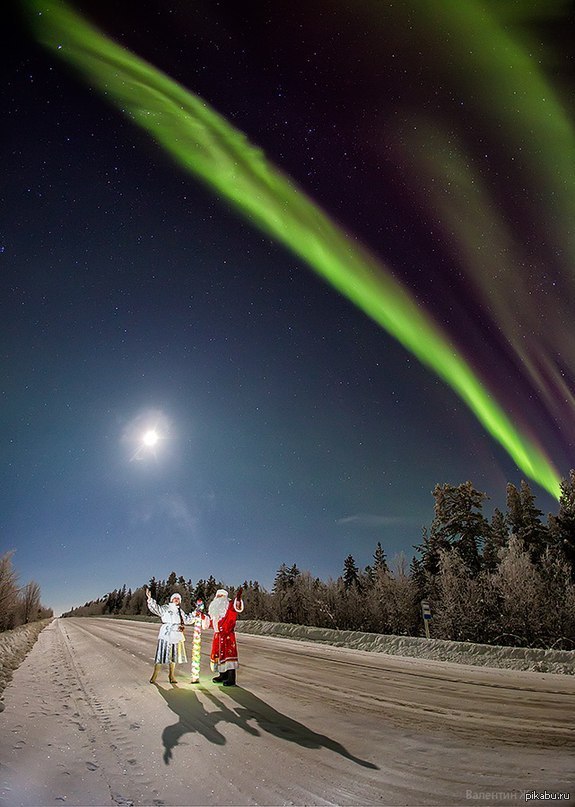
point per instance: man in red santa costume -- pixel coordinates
(224, 656)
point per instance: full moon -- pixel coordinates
(147, 434)
(150, 438)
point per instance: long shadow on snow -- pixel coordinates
(194, 717)
(280, 725)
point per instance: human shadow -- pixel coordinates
(252, 708)
(193, 717)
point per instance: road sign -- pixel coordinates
(426, 613)
(425, 609)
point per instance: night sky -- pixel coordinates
(292, 427)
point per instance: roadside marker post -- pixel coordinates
(426, 613)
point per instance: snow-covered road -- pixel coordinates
(307, 725)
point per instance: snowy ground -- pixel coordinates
(309, 724)
(14, 646)
(483, 655)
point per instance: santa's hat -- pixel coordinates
(176, 596)
(221, 592)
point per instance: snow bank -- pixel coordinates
(483, 655)
(14, 646)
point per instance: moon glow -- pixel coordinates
(150, 438)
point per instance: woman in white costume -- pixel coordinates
(171, 648)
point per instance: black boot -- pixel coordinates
(221, 678)
(231, 679)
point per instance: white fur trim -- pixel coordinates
(238, 606)
(221, 592)
(174, 595)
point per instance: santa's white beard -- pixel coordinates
(218, 608)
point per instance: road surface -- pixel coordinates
(307, 725)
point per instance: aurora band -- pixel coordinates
(204, 143)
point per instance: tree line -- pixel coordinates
(508, 579)
(127, 602)
(19, 605)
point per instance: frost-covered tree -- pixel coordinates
(524, 520)
(211, 588)
(171, 585)
(459, 607)
(368, 577)
(427, 565)
(379, 560)
(287, 594)
(199, 592)
(255, 600)
(327, 595)
(521, 592)
(153, 586)
(458, 522)
(394, 601)
(350, 573)
(496, 539)
(562, 526)
(418, 576)
(120, 600)
(137, 604)
(351, 607)
(281, 579)
(558, 601)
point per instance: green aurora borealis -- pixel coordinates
(206, 145)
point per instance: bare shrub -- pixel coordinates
(8, 592)
(29, 602)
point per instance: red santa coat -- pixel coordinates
(224, 655)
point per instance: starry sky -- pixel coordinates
(293, 427)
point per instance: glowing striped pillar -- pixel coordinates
(197, 643)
